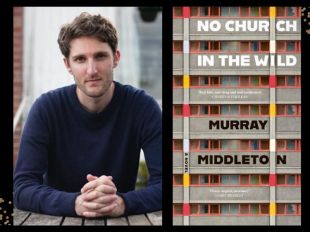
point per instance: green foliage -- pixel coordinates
(143, 175)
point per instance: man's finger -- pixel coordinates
(99, 181)
(101, 212)
(99, 191)
(89, 205)
(90, 177)
(106, 189)
(106, 200)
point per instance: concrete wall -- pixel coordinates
(288, 220)
(226, 194)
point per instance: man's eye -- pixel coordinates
(100, 56)
(80, 59)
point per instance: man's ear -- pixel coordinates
(117, 58)
(67, 64)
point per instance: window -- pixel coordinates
(254, 144)
(194, 109)
(194, 208)
(194, 80)
(193, 144)
(214, 209)
(178, 46)
(280, 179)
(264, 208)
(229, 11)
(264, 145)
(229, 110)
(230, 180)
(280, 208)
(214, 144)
(223, 109)
(229, 208)
(204, 144)
(264, 179)
(214, 179)
(177, 179)
(264, 46)
(215, 81)
(244, 179)
(204, 46)
(230, 81)
(244, 208)
(288, 46)
(264, 11)
(204, 179)
(288, 145)
(291, 81)
(254, 208)
(194, 179)
(244, 81)
(288, 110)
(204, 109)
(204, 81)
(194, 11)
(287, 12)
(177, 11)
(229, 144)
(177, 144)
(244, 110)
(177, 209)
(288, 209)
(291, 208)
(288, 179)
(204, 11)
(177, 81)
(244, 145)
(178, 110)
(254, 11)
(229, 46)
(214, 110)
(291, 179)
(214, 11)
(204, 208)
(254, 179)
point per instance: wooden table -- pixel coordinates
(24, 218)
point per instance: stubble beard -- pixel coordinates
(105, 86)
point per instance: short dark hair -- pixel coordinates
(87, 25)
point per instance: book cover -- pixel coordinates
(237, 115)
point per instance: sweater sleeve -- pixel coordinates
(148, 199)
(30, 192)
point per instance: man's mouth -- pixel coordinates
(93, 80)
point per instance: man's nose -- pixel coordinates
(91, 68)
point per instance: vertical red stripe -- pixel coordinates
(186, 12)
(272, 81)
(272, 180)
(185, 110)
(185, 209)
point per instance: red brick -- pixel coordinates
(18, 10)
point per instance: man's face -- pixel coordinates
(91, 62)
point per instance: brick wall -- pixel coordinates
(17, 71)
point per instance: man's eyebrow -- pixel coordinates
(78, 56)
(95, 54)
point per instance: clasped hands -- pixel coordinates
(98, 198)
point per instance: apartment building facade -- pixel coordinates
(236, 116)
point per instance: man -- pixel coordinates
(80, 147)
